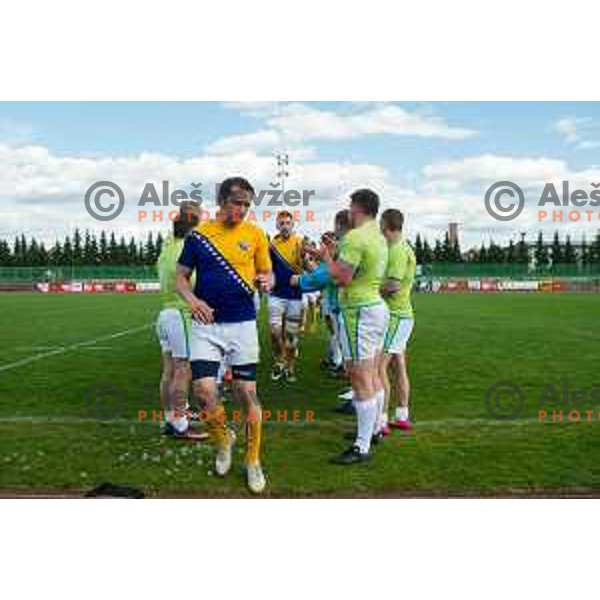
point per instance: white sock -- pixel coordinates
(177, 420)
(335, 352)
(402, 413)
(366, 413)
(381, 420)
(181, 424)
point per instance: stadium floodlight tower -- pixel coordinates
(283, 162)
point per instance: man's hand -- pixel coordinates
(264, 282)
(327, 251)
(201, 311)
(295, 280)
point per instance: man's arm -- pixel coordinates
(200, 310)
(394, 275)
(313, 281)
(265, 281)
(341, 270)
(262, 261)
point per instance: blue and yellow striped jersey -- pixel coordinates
(286, 256)
(226, 260)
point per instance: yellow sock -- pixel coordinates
(253, 435)
(217, 427)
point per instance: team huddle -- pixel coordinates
(212, 275)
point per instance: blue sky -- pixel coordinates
(434, 160)
(185, 128)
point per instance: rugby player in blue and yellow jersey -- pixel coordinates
(230, 258)
(285, 300)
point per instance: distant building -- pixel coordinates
(453, 233)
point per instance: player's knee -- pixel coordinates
(247, 396)
(361, 380)
(292, 339)
(181, 370)
(292, 331)
(203, 393)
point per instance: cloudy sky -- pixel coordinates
(434, 161)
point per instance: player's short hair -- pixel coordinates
(368, 201)
(228, 184)
(284, 214)
(188, 218)
(392, 219)
(342, 220)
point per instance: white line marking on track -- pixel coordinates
(62, 349)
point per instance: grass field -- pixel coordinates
(56, 347)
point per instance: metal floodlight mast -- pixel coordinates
(283, 161)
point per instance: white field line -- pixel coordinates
(57, 347)
(38, 348)
(98, 348)
(62, 349)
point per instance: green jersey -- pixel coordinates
(365, 249)
(166, 267)
(401, 269)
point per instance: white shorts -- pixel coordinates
(283, 307)
(172, 333)
(398, 334)
(362, 331)
(236, 343)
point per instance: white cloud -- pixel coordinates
(489, 168)
(456, 191)
(265, 139)
(42, 192)
(294, 124)
(567, 127)
(588, 144)
(254, 108)
(581, 132)
(50, 188)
